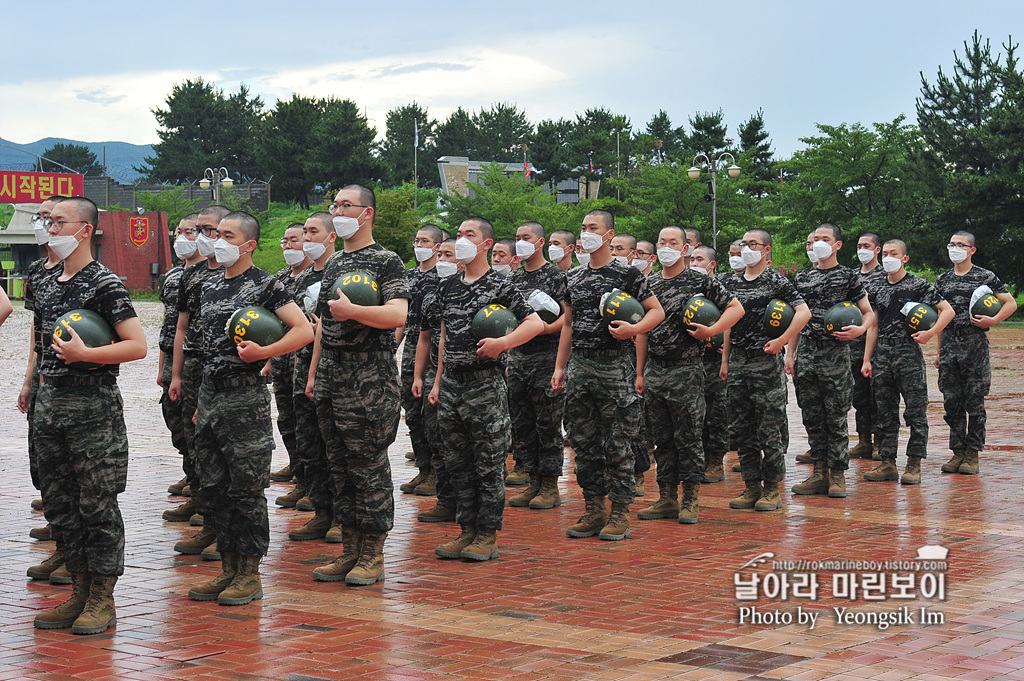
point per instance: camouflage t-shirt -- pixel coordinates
(957, 290)
(872, 281)
(169, 297)
(95, 288)
(748, 333)
(430, 320)
(386, 267)
(305, 288)
(551, 280)
(890, 299)
(586, 287)
(821, 289)
(460, 301)
(420, 284)
(33, 281)
(190, 289)
(221, 297)
(670, 340)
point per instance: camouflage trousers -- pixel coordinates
(863, 398)
(472, 416)
(358, 406)
(413, 407)
(674, 393)
(715, 433)
(282, 372)
(445, 492)
(641, 445)
(536, 411)
(824, 390)
(33, 464)
(233, 447)
(82, 452)
(173, 419)
(191, 382)
(314, 468)
(602, 413)
(757, 402)
(965, 376)
(898, 370)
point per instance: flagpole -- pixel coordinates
(415, 165)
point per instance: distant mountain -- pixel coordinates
(122, 157)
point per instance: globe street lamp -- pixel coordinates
(713, 165)
(217, 178)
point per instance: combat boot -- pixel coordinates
(410, 456)
(453, 548)
(592, 520)
(876, 440)
(816, 483)
(526, 496)
(210, 552)
(439, 514)
(667, 505)
(197, 542)
(316, 528)
(61, 575)
(517, 477)
(246, 586)
(335, 571)
(770, 499)
(863, 448)
(48, 566)
(197, 520)
(208, 591)
(410, 487)
(65, 614)
(41, 533)
(548, 496)
(369, 569)
(37, 504)
(99, 613)
(186, 491)
(618, 523)
(884, 472)
(289, 500)
(428, 488)
(283, 475)
(912, 474)
(180, 513)
(304, 504)
(689, 508)
(970, 463)
(177, 487)
(640, 489)
(953, 465)
(715, 469)
(483, 547)
(806, 457)
(334, 535)
(837, 484)
(749, 497)
(737, 467)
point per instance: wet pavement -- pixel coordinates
(664, 604)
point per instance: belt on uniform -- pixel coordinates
(530, 349)
(820, 343)
(905, 340)
(346, 356)
(747, 353)
(72, 381)
(471, 373)
(599, 353)
(239, 381)
(960, 333)
(668, 362)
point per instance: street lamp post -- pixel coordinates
(216, 178)
(713, 165)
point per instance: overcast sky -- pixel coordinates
(93, 71)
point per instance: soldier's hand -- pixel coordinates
(790, 364)
(849, 333)
(70, 351)
(700, 332)
(24, 397)
(922, 337)
(724, 372)
(195, 417)
(266, 370)
(983, 322)
(435, 392)
(640, 385)
(251, 352)
(160, 379)
(310, 383)
(621, 330)
(491, 347)
(174, 392)
(417, 388)
(774, 347)
(935, 362)
(865, 369)
(314, 321)
(342, 309)
(558, 380)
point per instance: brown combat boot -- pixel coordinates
(99, 613)
(517, 477)
(410, 487)
(246, 586)
(438, 514)
(548, 496)
(369, 569)
(453, 548)
(428, 488)
(770, 499)
(48, 566)
(289, 500)
(592, 520)
(197, 542)
(863, 448)
(883, 472)
(197, 520)
(689, 509)
(816, 483)
(61, 575)
(618, 523)
(483, 547)
(970, 463)
(176, 488)
(714, 471)
(526, 496)
(283, 475)
(749, 497)
(912, 475)
(837, 484)
(667, 505)
(316, 528)
(208, 591)
(953, 465)
(335, 571)
(65, 614)
(806, 457)
(181, 513)
(875, 441)
(210, 552)
(640, 489)
(334, 535)
(304, 504)
(37, 504)
(41, 533)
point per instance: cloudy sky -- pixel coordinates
(94, 71)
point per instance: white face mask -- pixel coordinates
(865, 255)
(423, 253)
(956, 255)
(465, 250)
(503, 270)
(621, 259)
(813, 257)
(525, 249)
(590, 241)
(446, 269)
(205, 245)
(556, 253)
(736, 262)
(184, 247)
(668, 256)
(293, 257)
(584, 258)
(891, 265)
(63, 246)
(822, 249)
(750, 256)
(641, 264)
(345, 227)
(226, 254)
(42, 234)
(698, 268)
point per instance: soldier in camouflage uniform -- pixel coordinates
(536, 409)
(670, 373)
(894, 361)
(819, 362)
(472, 403)
(354, 381)
(869, 247)
(80, 436)
(560, 248)
(965, 373)
(593, 367)
(234, 438)
(757, 381)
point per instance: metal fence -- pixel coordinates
(106, 191)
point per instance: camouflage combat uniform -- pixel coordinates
(717, 423)
(420, 284)
(430, 321)
(234, 438)
(80, 436)
(472, 410)
(602, 410)
(282, 375)
(674, 377)
(171, 410)
(863, 398)
(965, 373)
(34, 277)
(824, 384)
(898, 367)
(757, 381)
(357, 394)
(536, 409)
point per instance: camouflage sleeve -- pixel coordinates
(275, 295)
(394, 281)
(637, 286)
(560, 287)
(856, 291)
(113, 300)
(717, 293)
(510, 297)
(183, 283)
(787, 292)
(928, 294)
(994, 283)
